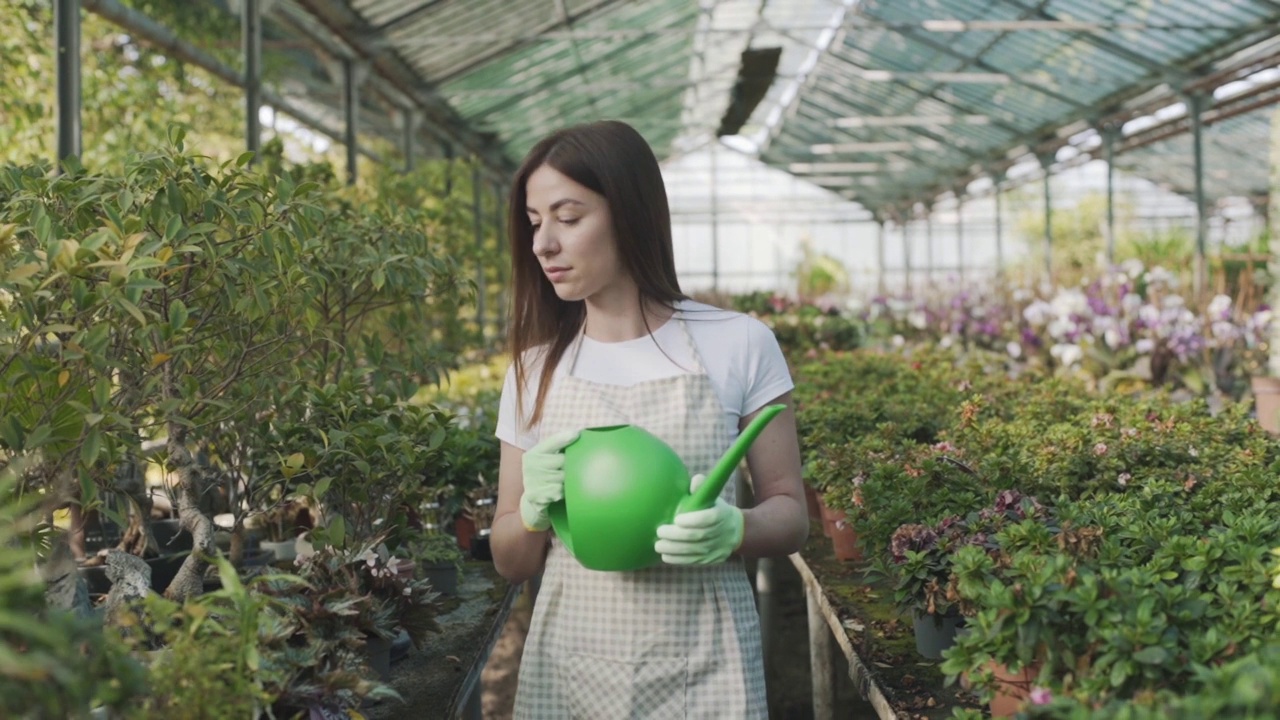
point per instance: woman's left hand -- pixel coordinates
(701, 537)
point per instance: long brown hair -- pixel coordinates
(612, 160)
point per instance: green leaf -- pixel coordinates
(379, 278)
(91, 448)
(322, 487)
(38, 437)
(1153, 655)
(177, 203)
(338, 531)
(244, 159)
(178, 315)
(44, 229)
(174, 225)
(132, 309)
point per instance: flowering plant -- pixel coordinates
(380, 595)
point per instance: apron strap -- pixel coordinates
(693, 346)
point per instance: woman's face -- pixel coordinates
(573, 237)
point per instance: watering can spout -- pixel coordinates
(706, 494)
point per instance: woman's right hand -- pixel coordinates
(543, 471)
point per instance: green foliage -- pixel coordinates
(365, 456)
(1245, 688)
(819, 275)
(52, 663)
(131, 92)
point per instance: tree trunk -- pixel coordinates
(138, 538)
(189, 581)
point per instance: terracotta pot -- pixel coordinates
(1266, 400)
(844, 540)
(1012, 689)
(813, 503)
(465, 528)
(828, 516)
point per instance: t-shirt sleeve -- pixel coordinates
(767, 375)
(510, 426)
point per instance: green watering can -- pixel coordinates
(621, 483)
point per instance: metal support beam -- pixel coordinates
(66, 24)
(930, 261)
(353, 73)
(1195, 108)
(960, 234)
(906, 252)
(1046, 161)
(477, 210)
(1110, 132)
(996, 179)
(144, 28)
(251, 41)
(409, 119)
(715, 221)
(880, 259)
(504, 280)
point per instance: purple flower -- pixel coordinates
(1041, 696)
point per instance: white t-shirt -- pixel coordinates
(740, 353)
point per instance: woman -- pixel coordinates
(601, 335)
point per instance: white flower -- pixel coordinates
(1131, 302)
(1144, 346)
(1219, 307)
(946, 342)
(917, 319)
(1194, 452)
(1067, 353)
(1014, 350)
(1021, 295)
(1173, 301)
(1037, 313)
(1158, 275)
(1059, 328)
(1113, 338)
(1132, 267)
(6, 299)
(899, 341)
(1070, 302)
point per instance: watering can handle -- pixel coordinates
(706, 494)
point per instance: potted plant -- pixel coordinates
(438, 559)
(379, 598)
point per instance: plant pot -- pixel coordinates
(164, 569)
(828, 516)
(935, 633)
(480, 548)
(1011, 689)
(377, 652)
(812, 502)
(844, 541)
(170, 537)
(443, 577)
(284, 551)
(464, 528)
(1266, 401)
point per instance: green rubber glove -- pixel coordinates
(701, 537)
(543, 466)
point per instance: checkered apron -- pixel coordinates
(662, 642)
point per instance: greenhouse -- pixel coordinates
(267, 293)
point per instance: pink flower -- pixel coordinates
(1100, 449)
(1041, 696)
(1124, 479)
